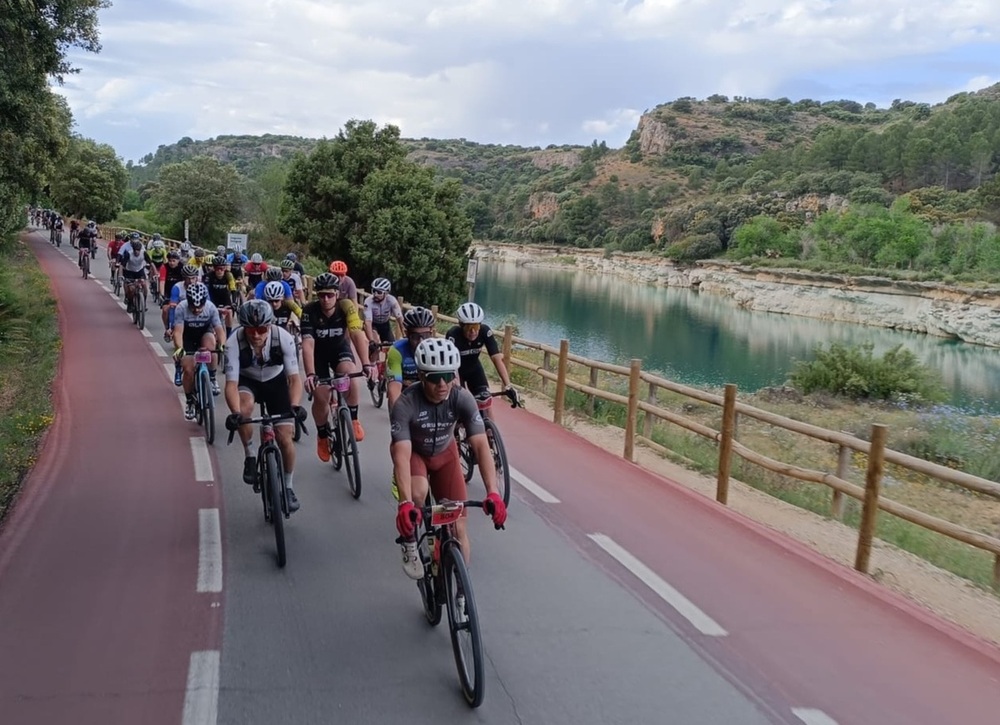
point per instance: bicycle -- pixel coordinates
(446, 584)
(116, 279)
(84, 263)
(154, 285)
(269, 481)
(377, 389)
(205, 412)
(497, 448)
(137, 302)
(343, 446)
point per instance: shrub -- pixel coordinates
(853, 372)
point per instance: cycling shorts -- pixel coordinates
(443, 471)
(272, 394)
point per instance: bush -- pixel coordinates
(853, 372)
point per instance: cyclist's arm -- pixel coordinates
(295, 307)
(394, 375)
(356, 329)
(220, 331)
(401, 447)
(232, 378)
(493, 350)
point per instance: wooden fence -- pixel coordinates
(725, 439)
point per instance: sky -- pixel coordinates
(526, 72)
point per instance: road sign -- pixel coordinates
(473, 269)
(237, 242)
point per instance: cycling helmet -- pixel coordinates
(136, 242)
(326, 281)
(197, 295)
(291, 257)
(381, 284)
(437, 355)
(199, 253)
(220, 250)
(135, 237)
(157, 237)
(274, 291)
(218, 261)
(471, 314)
(287, 264)
(189, 270)
(119, 234)
(256, 259)
(91, 224)
(418, 317)
(272, 274)
(157, 244)
(338, 267)
(185, 246)
(255, 313)
(173, 254)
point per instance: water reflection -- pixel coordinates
(702, 339)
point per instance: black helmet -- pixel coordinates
(256, 313)
(326, 281)
(418, 317)
(273, 274)
(135, 237)
(189, 270)
(157, 237)
(218, 261)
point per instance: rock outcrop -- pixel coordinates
(543, 205)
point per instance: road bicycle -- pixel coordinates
(446, 584)
(116, 279)
(377, 389)
(137, 302)
(204, 399)
(269, 480)
(343, 446)
(468, 457)
(84, 263)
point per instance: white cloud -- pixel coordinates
(613, 123)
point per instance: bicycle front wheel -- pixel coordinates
(140, 311)
(85, 265)
(352, 462)
(208, 414)
(465, 456)
(463, 624)
(275, 491)
(499, 459)
(377, 391)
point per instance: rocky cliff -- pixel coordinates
(970, 315)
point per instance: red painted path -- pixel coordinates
(99, 612)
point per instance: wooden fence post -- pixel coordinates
(726, 444)
(508, 344)
(560, 402)
(647, 417)
(869, 514)
(843, 466)
(590, 398)
(546, 360)
(633, 408)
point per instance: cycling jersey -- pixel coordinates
(133, 261)
(196, 324)
(86, 237)
(332, 344)
(255, 273)
(430, 427)
(469, 349)
(399, 363)
(114, 247)
(158, 256)
(171, 277)
(277, 356)
(381, 311)
(348, 290)
(258, 290)
(220, 289)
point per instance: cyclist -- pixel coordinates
(221, 290)
(296, 264)
(158, 260)
(327, 325)
(255, 269)
(380, 308)
(196, 326)
(424, 450)
(281, 305)
(236, 260)
(186, 251)
(87, 240)
(56, 229)
(262, 367)
(189, 278)
(289, 275)
(134, 259)
(400, 365)
(348, 290)
(171, 274)
(470, 336)
(74, 231)
(114, 248)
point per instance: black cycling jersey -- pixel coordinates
(469, 349)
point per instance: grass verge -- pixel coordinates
(29, 351)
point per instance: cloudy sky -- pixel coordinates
(530, 72)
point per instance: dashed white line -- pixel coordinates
(811, 716)
(209, 551)
(532, 487)
(684, 606)
(201, 699)
(202, 461)
(120, 303)
(161, 352)
(146, 333)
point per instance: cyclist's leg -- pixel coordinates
(274, 395)
(321, 406)
(447, 482)
(474, 378)
(209, 342)
(346, 366)
(247, 391)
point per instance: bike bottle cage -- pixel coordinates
(446, 513)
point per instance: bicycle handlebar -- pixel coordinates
(515, 400)
(428, 511)
(262, 419)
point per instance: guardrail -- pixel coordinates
(725, 438)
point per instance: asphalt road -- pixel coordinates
(138, 584)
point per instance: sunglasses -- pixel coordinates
(256, 330)
(437, 378)
(326, 295)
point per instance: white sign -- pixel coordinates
(237, 242)
(470, 273)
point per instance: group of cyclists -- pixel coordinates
(275, 346)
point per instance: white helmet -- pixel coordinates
(437, 355)
(274, 291)
(256, 259)
(381, 284)
(471, 314)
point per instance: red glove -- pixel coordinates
(407, 519)
(494, 506)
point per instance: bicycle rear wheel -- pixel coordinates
(352, 462)
(85, 265)
(275, 491)
(336, 449)
(465, 456)
(207, 402)
(377, 391)
(499, 459)
(463, 624)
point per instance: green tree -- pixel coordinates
(204, 191)
(761, 235)
(91, 181)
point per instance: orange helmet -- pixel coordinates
(338, 267)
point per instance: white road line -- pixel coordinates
(120, 303)
(701, 621)
(202, 461)
(158, 349)
(209, 551)
(169, 368)
(201, 700)
(146, 333)
(812, 716)
(532, 487)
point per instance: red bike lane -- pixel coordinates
(99, 559)
(800, 631)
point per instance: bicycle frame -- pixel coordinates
(344, 448)
(203, 392)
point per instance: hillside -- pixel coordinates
(695, 170)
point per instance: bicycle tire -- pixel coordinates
(208, 415)
(377, 391)
(428, 586)
(352, 462)
(275, 491)
(336, 451)
(499, 454)
(465, 456)
(85, 265)
(199, 395)
(471, 674)
(140, 312)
